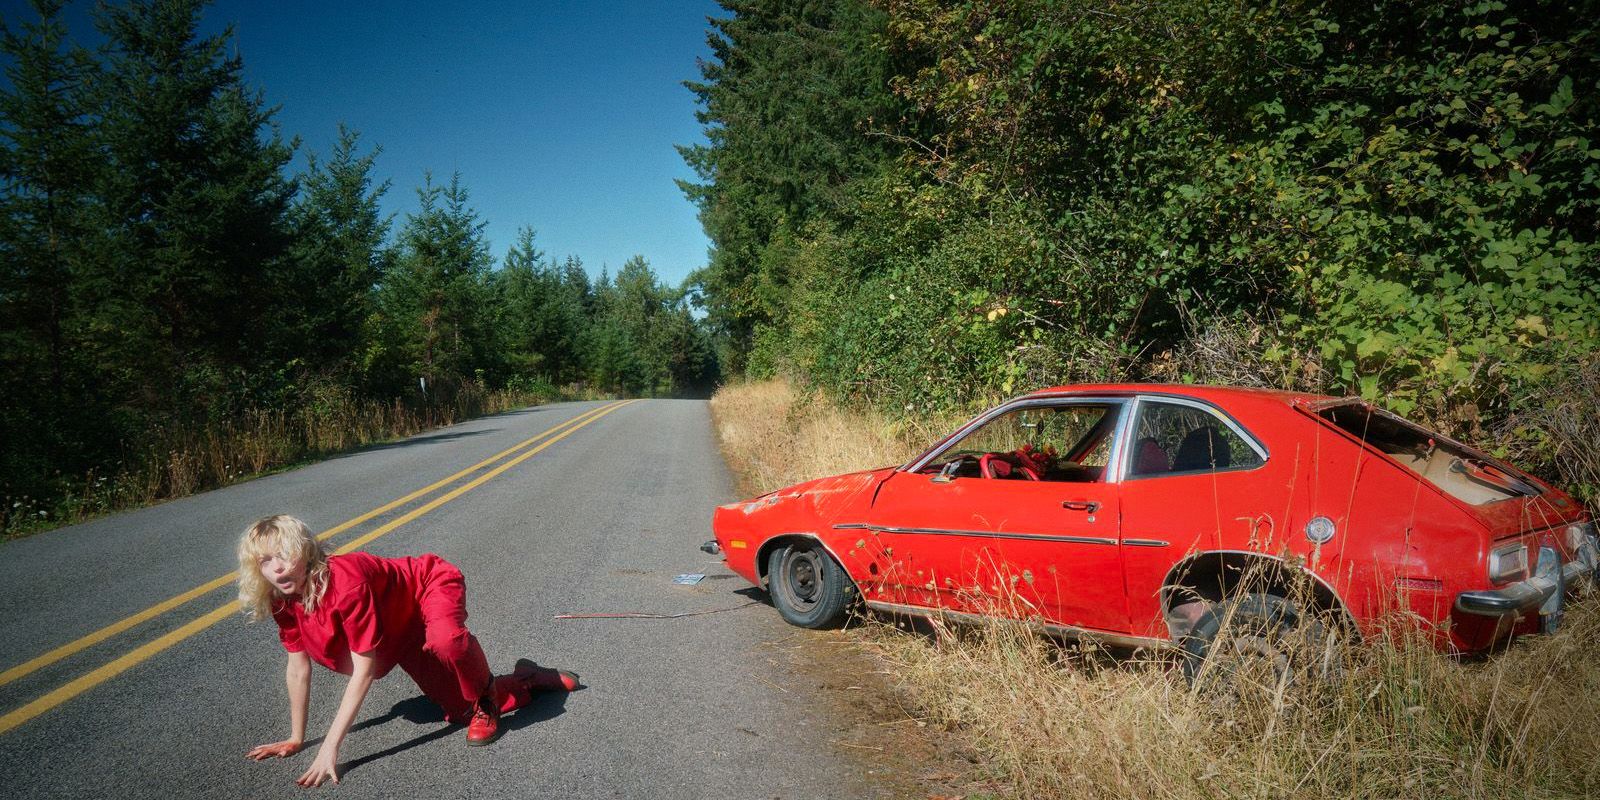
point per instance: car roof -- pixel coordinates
(1199, 392)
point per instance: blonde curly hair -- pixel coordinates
(290, 539)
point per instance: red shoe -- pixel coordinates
(485, 725)
(545, 679)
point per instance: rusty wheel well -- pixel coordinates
(775, 542)
(1207, 578)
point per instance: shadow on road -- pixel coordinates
(420, 710)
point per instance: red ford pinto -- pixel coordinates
(1132, 514)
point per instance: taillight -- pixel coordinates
(1508, 563)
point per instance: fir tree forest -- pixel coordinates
(180, 308)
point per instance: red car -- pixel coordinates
(1131, 514)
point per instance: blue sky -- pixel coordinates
(558, 115)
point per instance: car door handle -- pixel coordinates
(1080, 505)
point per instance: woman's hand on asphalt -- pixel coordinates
(322, 770)
(283, 749)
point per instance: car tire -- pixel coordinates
(808, 587)
(1255, 632)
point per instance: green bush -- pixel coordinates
(1397, 200)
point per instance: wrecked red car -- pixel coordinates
(1132, 514)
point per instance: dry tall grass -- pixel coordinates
(773, 436)
(184, 461)
(1400, 720)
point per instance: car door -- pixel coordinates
(975, 541)
(1193, 482)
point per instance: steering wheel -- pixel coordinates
(949, 469)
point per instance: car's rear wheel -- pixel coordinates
(808, 587)
(1257, 638)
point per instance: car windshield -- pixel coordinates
(1462, 473)
(1062, 443)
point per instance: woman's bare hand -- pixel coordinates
(322, 770)
(283, 749)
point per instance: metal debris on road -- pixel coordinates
(689, 579)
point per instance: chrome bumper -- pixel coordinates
(1544, 591)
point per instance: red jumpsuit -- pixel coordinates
(409, 612)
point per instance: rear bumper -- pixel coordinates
(1544, 591)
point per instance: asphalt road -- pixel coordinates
(597, 522)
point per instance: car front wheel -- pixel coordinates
(808, 587)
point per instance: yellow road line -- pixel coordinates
(164, 606)
(95, 678)
(365, 538)
(139, 654)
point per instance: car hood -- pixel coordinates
(824, 498)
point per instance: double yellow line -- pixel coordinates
(139, 654)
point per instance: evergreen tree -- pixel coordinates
(788, 103)
(523, 287)
(45, 166)
(339, 253)
(571, 310)
(435, 298)
(193, 210)
(643, 338)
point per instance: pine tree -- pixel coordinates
(570, 311)
(524, 287)
(788, 100)
(45, 165)
(435, 298)
(193, 210)
(339, 253)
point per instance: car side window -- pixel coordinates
(1069, 442)
(1172, 439)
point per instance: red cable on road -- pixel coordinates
(645, 615)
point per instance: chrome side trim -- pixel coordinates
(1047, 628)
(1042, 537)
(1145, 543)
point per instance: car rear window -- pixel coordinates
(1464, 474)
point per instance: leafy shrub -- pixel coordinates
(1400, 197)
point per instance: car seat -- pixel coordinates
(1203, 448)
(1150, 457)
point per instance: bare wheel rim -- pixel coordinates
(802, 579)
(1254, 657)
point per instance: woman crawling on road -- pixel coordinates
(362, 615)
